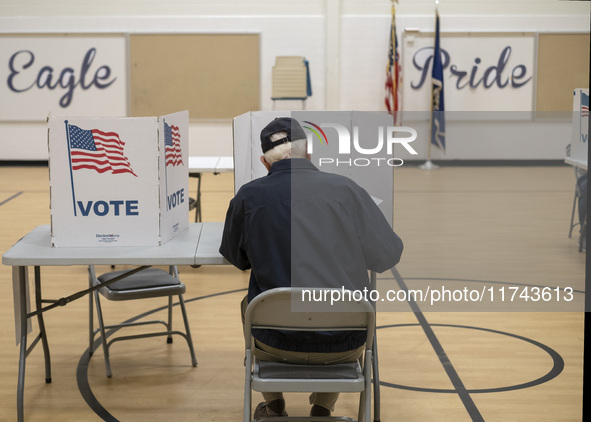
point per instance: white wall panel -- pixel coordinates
(300, 28)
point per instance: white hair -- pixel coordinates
(294, 149)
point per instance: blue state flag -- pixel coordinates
(437, 103)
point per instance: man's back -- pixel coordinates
(303, 227)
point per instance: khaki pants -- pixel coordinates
(272, 354)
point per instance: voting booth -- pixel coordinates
(355, 144)
(118, 181)
(576, 149)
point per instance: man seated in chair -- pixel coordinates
(299, 226)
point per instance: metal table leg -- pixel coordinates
(42, 336)
(41, 322)
(22, 280)
(198, 216)
(197, 203)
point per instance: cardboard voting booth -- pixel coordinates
(351, 143)
(576, 150)
(118, 181)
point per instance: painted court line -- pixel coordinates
(11, 198)
(447, 365)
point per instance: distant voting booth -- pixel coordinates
(576, 149)
(118, 181)
(350, 143)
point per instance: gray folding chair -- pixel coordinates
(148, 283)
(579, 172)
(271, 310)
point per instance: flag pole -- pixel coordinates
(71, 171)
(429, 165)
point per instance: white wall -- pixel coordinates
(344, 40)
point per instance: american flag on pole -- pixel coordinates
(172, 145)
(584, 105)
(97, 150)
(437, 105)
(392, 70)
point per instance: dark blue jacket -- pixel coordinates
(299, 226)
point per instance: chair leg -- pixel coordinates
(169, 324)
(99, 314)
(376, 380)
(187, 330)
(366, 394)
(572, 216)
(361, 414)
(247, 416)
(174, 271)
(583, 237)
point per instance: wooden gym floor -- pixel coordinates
(478, 228)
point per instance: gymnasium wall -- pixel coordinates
(346, 44)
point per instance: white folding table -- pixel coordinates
(199, 245)
(199, 165)
(196, 246)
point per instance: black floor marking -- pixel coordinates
(11, 198)
(84, 386)
(82, 370)
(557, 366)
(459, 387)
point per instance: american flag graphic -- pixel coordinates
(584, 105)
(97, 150)
(172, 145)
(392, 70)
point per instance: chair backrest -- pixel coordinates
(290, 78)
(272, 310)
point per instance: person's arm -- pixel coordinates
(382, 247)
(232, 247)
